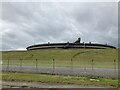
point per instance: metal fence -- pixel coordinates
(63, 67)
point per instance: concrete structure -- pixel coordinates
(76, 44)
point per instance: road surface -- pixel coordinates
(96, 72)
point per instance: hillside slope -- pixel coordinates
(101, 57)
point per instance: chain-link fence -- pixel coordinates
(63, 67)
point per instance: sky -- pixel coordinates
(28, 23)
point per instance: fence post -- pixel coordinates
(36, 65)
(115, 65)
(20, 64)
(92, 64)
(71, 65)
(53, 66)
(85, 69)
(8, 65)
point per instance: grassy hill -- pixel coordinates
(80, 57)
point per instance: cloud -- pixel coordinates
(25, 23)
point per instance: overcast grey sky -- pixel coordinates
(28, 23)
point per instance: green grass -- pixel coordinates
(59, 79)
(103, 58)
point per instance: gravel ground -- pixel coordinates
(96, 72)
(16, 84)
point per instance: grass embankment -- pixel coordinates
(7, 76)
(80, 57)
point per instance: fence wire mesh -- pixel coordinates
(63, 67)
